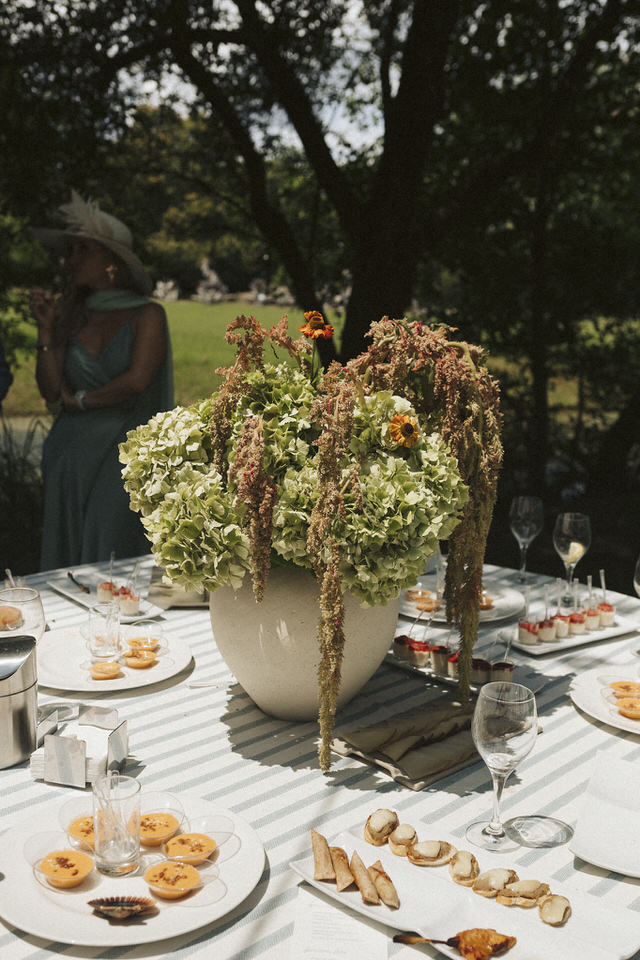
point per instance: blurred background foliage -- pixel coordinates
(474, 163)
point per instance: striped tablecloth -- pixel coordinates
(215, 742)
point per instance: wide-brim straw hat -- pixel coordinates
(86, 219)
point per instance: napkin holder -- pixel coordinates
(65, 757)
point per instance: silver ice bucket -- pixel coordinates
(18, 699)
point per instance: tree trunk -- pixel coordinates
(611, 465)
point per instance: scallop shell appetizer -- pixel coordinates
(463, 868)
(554, 909)
(119, 908)
(431, 853)
(523, 893)
(379, 826)
(492, 882)
(401, 839)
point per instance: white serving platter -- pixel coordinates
(91, 578)
(509, 635)
(63, 661)
(507, 602)
(63, 916)
(432, 905)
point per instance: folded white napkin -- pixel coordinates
(96, 740)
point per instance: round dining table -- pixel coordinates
(196, 735)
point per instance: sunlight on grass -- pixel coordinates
(197, 337)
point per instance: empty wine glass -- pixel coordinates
(636, 578)
(21, 613)
(571, 539)
(525, 519)
(504, 729)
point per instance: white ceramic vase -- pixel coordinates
(272, 648)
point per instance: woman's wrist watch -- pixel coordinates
(79, 397)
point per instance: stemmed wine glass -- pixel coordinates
(21, 613)
(636, 578)
(504, 730)
(526, 519)
(571, 539)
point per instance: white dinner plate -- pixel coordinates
(538, 649)
(434, 906)
(507, 602)
(64, 915)
(609, 821)
(589, 692)
(90, 577)
(63, 658)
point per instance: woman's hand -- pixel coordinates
(42, 305)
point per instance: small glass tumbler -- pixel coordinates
(103, 638)
(116, 825)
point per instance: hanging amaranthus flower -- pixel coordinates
(403, 430)
(316, 326)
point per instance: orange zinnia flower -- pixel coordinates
(316, 326)
(403, 430)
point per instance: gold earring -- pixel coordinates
(110, 272)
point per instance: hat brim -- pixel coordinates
(56, 239)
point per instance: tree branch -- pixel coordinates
(293, 98)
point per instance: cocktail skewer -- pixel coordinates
(603, 585)
(9, 576)
(559, 594)
(77, 582)
(590, 589)
(546, 601)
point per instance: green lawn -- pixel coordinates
(197, 336)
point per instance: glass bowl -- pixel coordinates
(161, 816)
(65, 872)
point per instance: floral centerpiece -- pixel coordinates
(352, 473)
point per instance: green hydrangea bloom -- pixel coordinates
(410, 497)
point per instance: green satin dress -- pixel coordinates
(86, 509)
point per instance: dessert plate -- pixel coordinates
(63, 661)
(538, 649)
(609, 820)
(434, 906)
(64, 916)
(91, 578)
(507, 602)
(589, 692)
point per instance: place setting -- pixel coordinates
(88, 586)
(386, 869)
(104, 655)
(125, 865)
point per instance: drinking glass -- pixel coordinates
(103, 639)
(504, 730)
(636, 578)
(21, 613)
(116, 824)
(525, 519)
(571, 539)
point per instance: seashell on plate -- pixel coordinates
(492, 882)
(554, 909)
(523, 893)
(119, 908)
(379, 825)
(431, 853)
(463, 868)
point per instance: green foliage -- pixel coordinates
(406, 501)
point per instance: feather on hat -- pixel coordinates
(85, 219)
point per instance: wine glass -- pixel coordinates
(21, 613)
(571, 539)
(525, 519)
(636, 578)
(504, 730)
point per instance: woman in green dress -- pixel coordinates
(104, 361)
